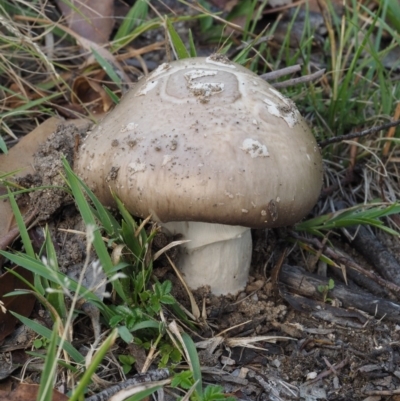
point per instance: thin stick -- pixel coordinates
(155, 375)
(382, 392)
(336, 256)
(269, 76)
(300, 80)
(368, 131)
(392, 131)
(332, 369)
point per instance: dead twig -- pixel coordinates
(276, 270)
(332, 370)
(382, 392)
(151, 376)
(349, 178)
(368, 245)
(270, 76)
(336, 256)
(301, 80)
(306, 297)
(360, 134)
(391, 131)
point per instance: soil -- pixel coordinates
(304, 357)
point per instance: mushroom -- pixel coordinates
(210, 150)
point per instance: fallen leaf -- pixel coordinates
(90, 19)
(28, 392)
(21, 92)
(90, 46)
(88, 91)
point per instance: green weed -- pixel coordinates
(324, 290)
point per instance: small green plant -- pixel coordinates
(191, 381)
(41, 342)
(324, 290)
(185, 381)
(149, 303)
(126, 362)
(169, 354)
(370, 214)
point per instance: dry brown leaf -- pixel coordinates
(22, 92)
(88, 91)
(90, 19)
(28, 392)
(22, 304)
(90, 45)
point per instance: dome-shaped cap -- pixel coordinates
(205, 139)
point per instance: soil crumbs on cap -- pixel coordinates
(303, 358)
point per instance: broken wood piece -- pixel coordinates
(306, 284)
(348, 262)
(150, 376)
(368, 245)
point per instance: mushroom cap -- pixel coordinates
(205, 139)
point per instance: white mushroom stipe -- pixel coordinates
(228, 247)
(205, 140)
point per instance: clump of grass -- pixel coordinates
(135, 313)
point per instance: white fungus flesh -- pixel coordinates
(206, 140)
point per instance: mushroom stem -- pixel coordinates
(217, 255)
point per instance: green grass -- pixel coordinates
(134, 316)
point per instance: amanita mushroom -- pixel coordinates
(210, 150)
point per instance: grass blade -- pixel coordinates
(3, 146)
(148, 389)
(192, 47)
(94, 364)
(21, 225)
(176, 42)
(136, 14)
(46, 333)
(55, 298)
(107, 67)
(195, 362)
(89, 220)
(49, 370)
